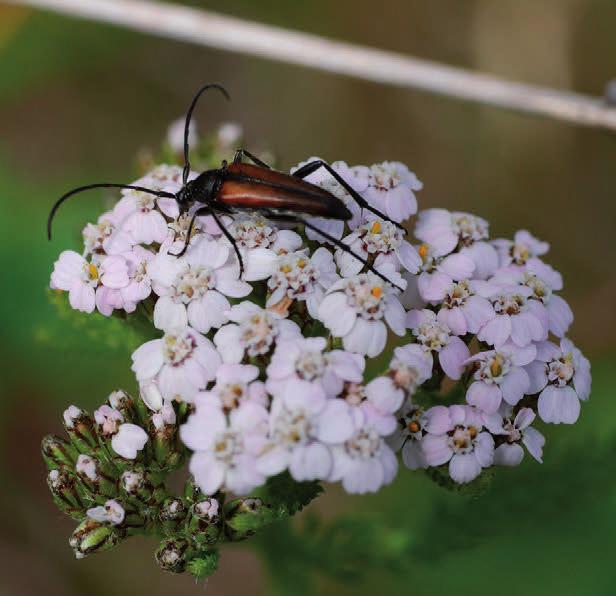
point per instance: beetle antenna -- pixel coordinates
(189, 117)
(159, 193)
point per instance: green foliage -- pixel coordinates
(203, 566)
(283, 493)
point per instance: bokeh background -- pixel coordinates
(77, 103)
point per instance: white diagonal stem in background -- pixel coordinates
(236, 35)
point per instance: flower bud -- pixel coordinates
(204, 524)
(123, 403)
(58, 452)
(167, 451)
(172, 514)
(92, 537)
(65, 492)
(144, 485)
(80, 428)
(107, 420)
(112, 512)
(243, 517)
(173, 555)
(96, 477)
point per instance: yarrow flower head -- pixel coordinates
(357, 310)
(274, 359)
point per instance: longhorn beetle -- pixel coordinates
(256, 187)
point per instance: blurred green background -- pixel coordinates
(79, 100)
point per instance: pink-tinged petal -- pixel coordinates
(200, 430)
(437, 420)
(384, 395)
(333, 227)
(384, 424)
(520, 356)
(409, 257)
(273, 460)
(485, 396)
(312, 462)
(457, 267)
(524, 418)
(259, 263)
(208, 472)
(147, 227)
(546, 351)
(454, 319)
(523, 327)
(559, 405)
(464, 468)
(208, 359)
(209, 312)
(545, 272)
(349, 367)
(453, 356)
(484, 449)
(395, 316)
(540, 312)
(478, 311)
(433, 286)
(582, 381)
(335, 423)
(304, 396)
(169, 315)
(229, 284)
(537, 376)
(497, 331)
(114, 272)
(436, 449)
(107, 300)
(209, 253)
(363, 476)
(458, 414)
(336, 314)
(508, 455)
(366, 337)
(415, 318)
(560, 316)
(67, 268)
(229, 343)
(81, 296)
(175, 384)
(401, 203)
(147, 360)
(485, 258)
(534, 441)
(169, 207)
(515, 384)
(413, 456)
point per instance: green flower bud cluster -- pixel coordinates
(114, 497)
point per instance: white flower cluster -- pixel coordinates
(273, 364)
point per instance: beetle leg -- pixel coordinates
(239, 153)
(207, 210)
(230, 238)
(341, 245)
(313, 166)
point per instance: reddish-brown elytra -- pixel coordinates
(253, 187)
